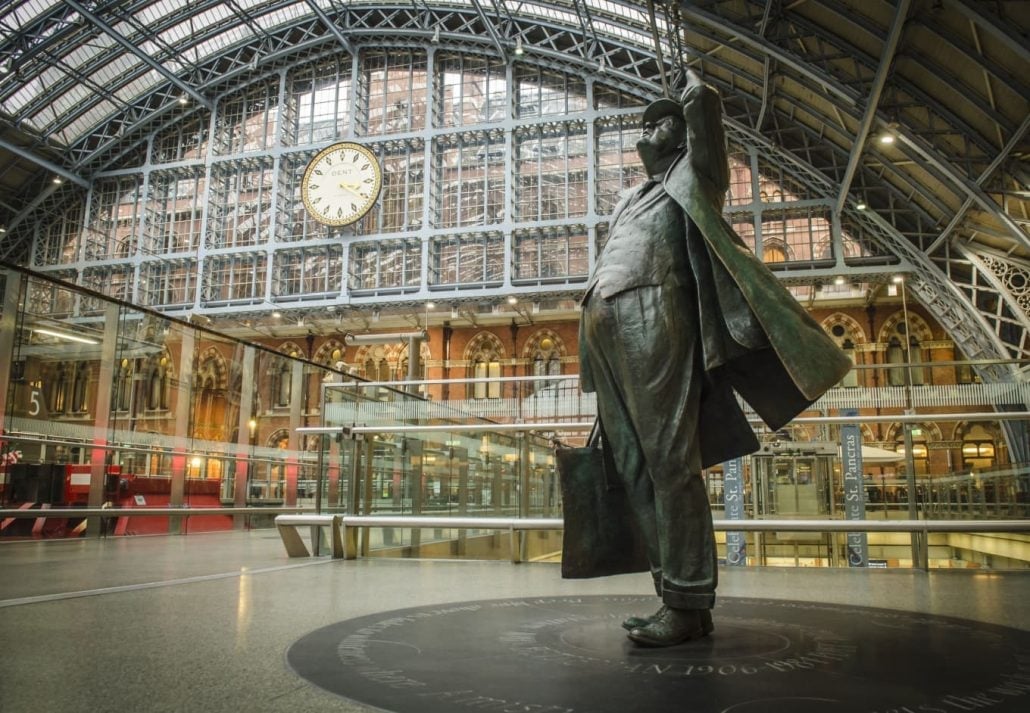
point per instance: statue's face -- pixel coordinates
(660, 140)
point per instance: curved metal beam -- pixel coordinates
(890, 47)
(44, 163)
(142, 56)
(331, 26)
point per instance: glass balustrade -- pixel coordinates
(119, 411)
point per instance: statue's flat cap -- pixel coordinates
(661, 108)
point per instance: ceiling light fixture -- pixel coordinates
(57, 180)
(519, 51)
(513, 300)
(6, 66)
(860, 205)
(183, 99)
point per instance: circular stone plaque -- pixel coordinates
(570, 655)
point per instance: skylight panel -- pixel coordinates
(566, 18)
(633, 14)
(284, 15)
(639, 38)
(139, 86)
(70, 99)
(151, 14)
(23, 13)
(89, 121)
(196, 24)
(29, 90)
(219, 42)
(114, 72)
(84, 53)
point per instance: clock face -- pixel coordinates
(341, 184)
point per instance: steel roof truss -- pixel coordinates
(145, 58)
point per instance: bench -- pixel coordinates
(294, 543)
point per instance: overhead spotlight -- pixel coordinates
(861, 205)
(436, 35)
(430, 305)
(519, 51)
(183, 99)
(3, 229)
(838, 280)
(6, 66)
(57, 180)
(513, 300)
(276, 315)
(898, 279)
(889, 134)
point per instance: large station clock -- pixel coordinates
(341, 183)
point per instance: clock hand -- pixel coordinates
(352, 188)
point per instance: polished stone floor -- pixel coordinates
(206, 622)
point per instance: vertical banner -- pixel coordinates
(733, 499)
(854, 488)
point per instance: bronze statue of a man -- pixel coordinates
(678, 315)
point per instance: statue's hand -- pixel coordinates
(693, 81)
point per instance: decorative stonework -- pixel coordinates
(1014, 276)
(852, 329)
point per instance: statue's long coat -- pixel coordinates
(755, 336)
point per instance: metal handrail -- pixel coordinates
(586, 425)
(527, 523)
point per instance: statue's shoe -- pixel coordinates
(670, 627)
(639, 622)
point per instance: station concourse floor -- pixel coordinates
(203, 622)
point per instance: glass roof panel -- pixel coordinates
(71, 98)
(139, 86)
(219, 42)
(568, 18)
(158, 10)
(89, 120)
(639, 38)
(622, 10)
(117, 70)
(20, 14)
(25, 94)
(190, 26)
(84, 53)
(286, 14)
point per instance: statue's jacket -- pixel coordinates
(755, 337)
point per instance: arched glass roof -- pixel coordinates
(83, 83)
